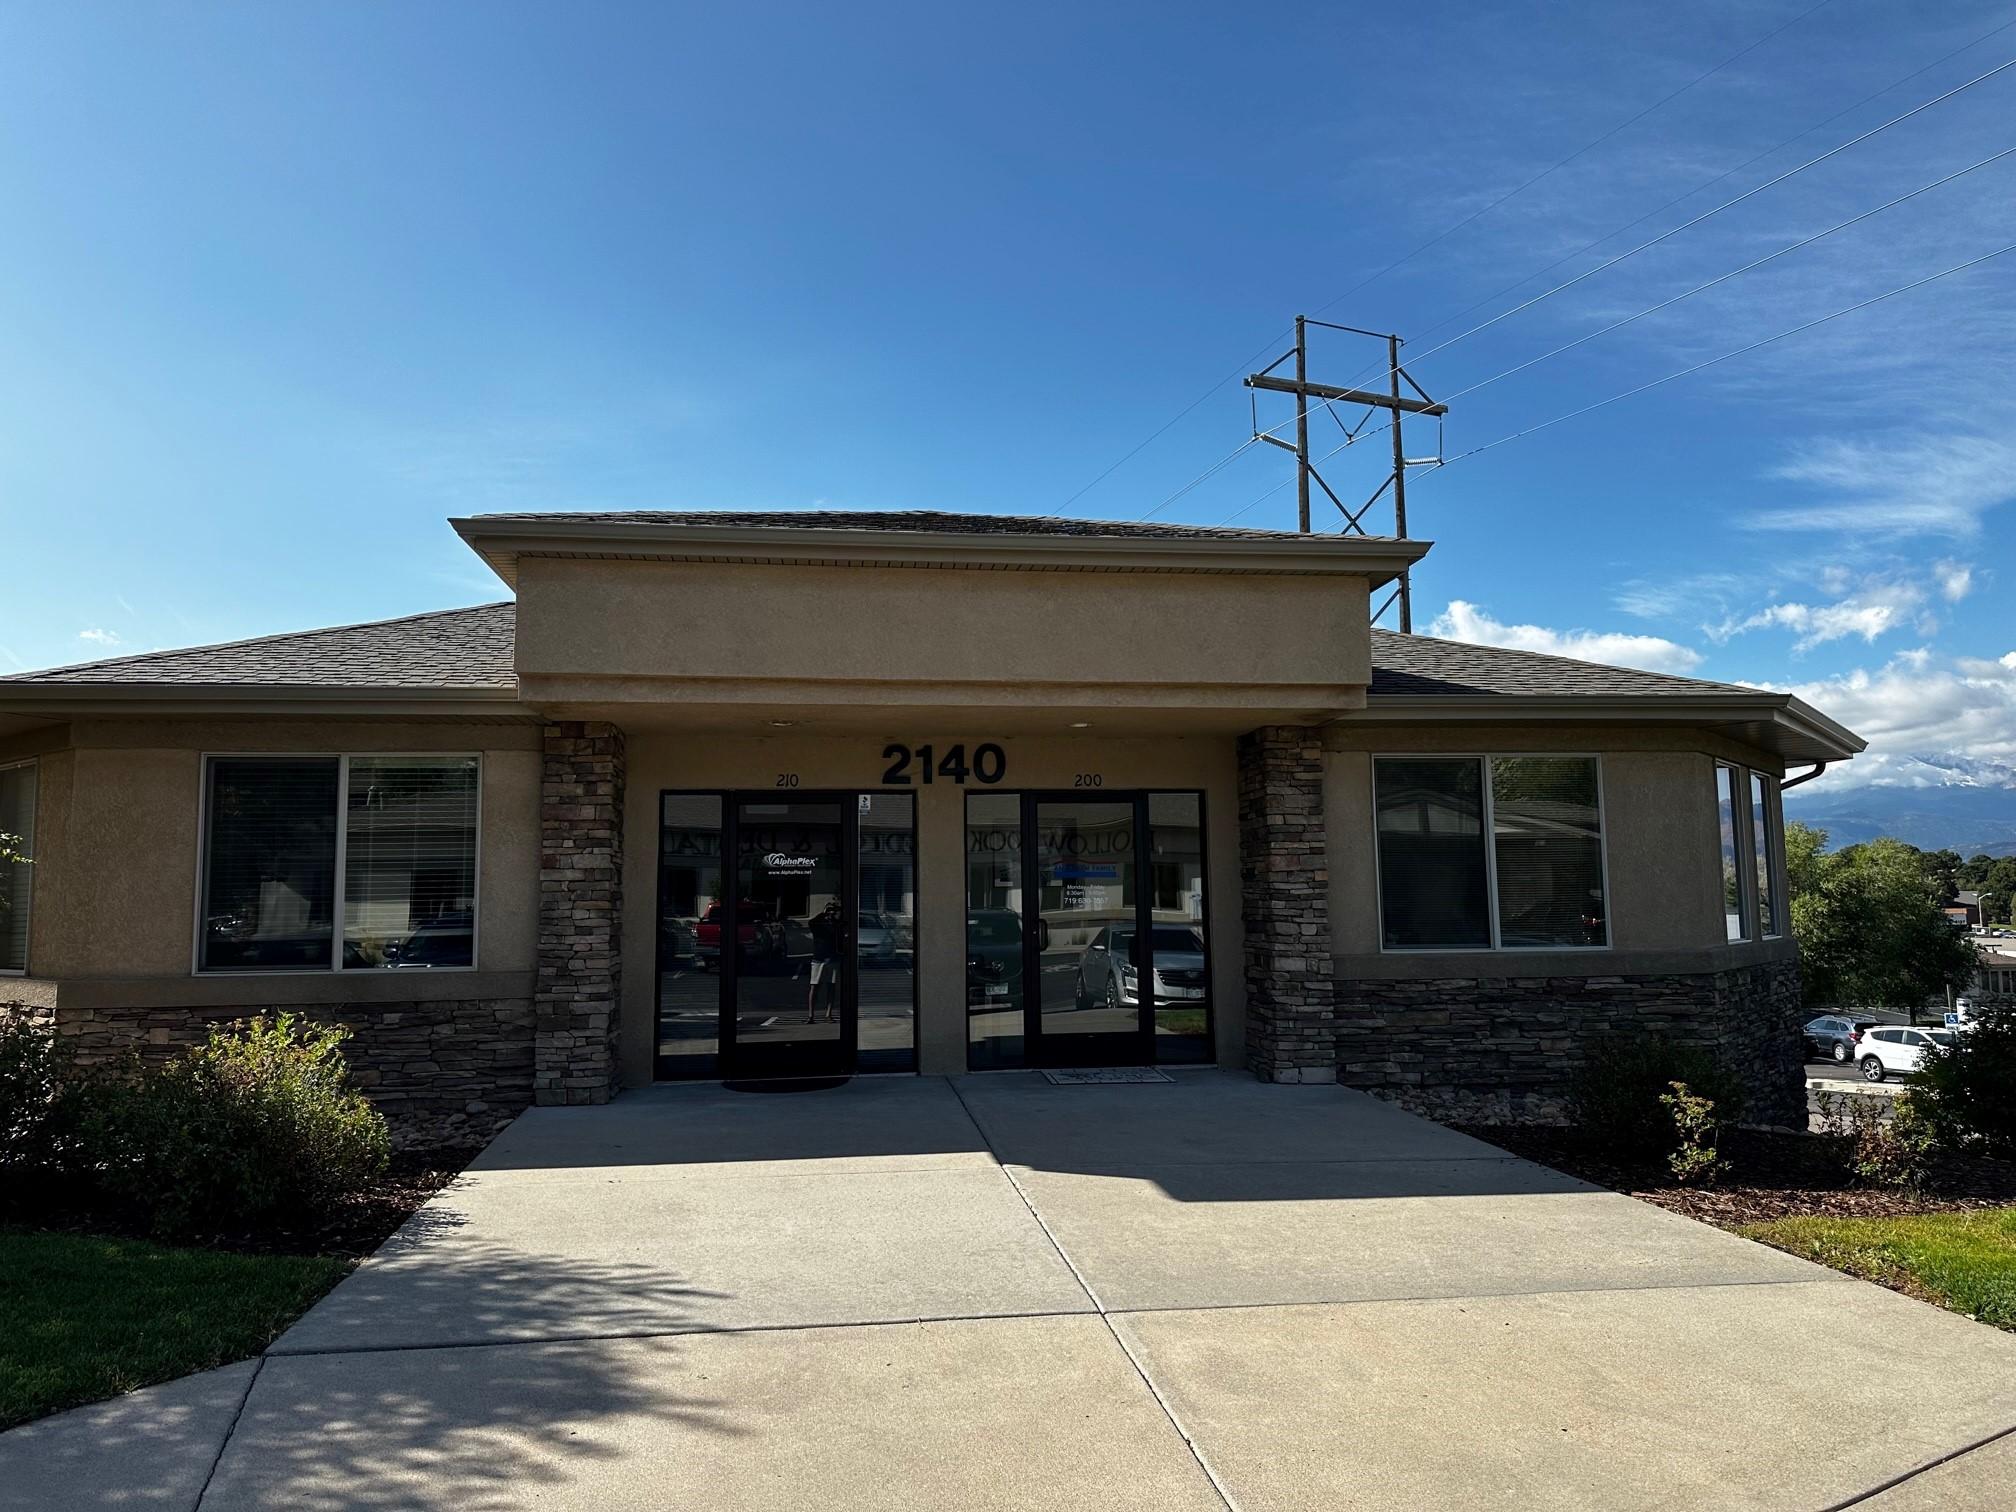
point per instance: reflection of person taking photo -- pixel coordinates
(825, 968)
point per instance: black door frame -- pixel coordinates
(1099, 1048)
(740, 1062)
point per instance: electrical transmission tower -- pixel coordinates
(1393, 401)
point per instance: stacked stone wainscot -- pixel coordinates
(443, 1071)
(580, 913)
(1284, 894)
(1505, 1049)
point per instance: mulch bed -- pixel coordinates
(1770, 1176)
(357, 1226)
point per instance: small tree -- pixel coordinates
(1870, 924)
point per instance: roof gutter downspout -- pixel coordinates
(1792, 782)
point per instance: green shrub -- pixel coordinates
(1884, 1141)
(37, 1103)
(1620, 1089)
(1696, 1159)
(1968, 1089)
(256, 1126)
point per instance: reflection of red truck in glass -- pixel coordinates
(755, 935)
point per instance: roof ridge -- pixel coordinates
(252, 640)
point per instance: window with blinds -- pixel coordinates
(294, 846)
(17, 838)
(409, 861)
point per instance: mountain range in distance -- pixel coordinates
(1938, 803)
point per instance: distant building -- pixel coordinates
(1968, 906)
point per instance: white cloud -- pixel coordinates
(1468, 622)
(1928, 725)
(1940, 487)
(1956, 580)
(1880, 604)
(99, 637)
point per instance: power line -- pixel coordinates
(1717, 210)
(1578, 152)
(1720, 279)
(1727, 173)
(1246, 366)
(1735, 272)
(1671, 377)
(1972, 262)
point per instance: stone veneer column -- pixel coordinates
(580, 913)
(1284, 875)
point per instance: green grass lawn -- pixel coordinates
(1963, 1261)
(84, 1317)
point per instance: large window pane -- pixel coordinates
(1547, 842)
(1765, 840)
(1182, 957)
(409, 862)
(994, 914)
(270, 875)
(885, 939)
(1735, 920)
(690, 909)
(17, 832)
(1431, 852)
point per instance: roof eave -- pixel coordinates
(501, 542)
(1789, 726)
(128, 699)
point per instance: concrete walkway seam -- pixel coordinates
(230, 1429)
(1141, 1370)
(1912, 1474)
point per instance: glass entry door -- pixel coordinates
(790, 984)
(1094, 1001)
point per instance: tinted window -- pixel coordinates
(1431, 852)
(17, 824)
(270, 869)
(1547, 844)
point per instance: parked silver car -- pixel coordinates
(1107, 970)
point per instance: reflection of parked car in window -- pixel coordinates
(1107, 971)
(678, 943)
(993, 957)
(756, 935)
(445, 940)
(874, 940)
(1884, 1050)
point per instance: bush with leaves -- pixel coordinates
(38, 1104)
(256, 1126)
(1619, 1092)
(1696, 1159)
(1968, 1088)
(1884, 1141)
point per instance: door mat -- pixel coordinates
(1106, 1076)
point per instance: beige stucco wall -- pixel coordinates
(691, 632)
(116, 876)
(667, 760)
(1662, 849)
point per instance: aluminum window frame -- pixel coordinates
(337, 895)
(1743, 781)
(1496, 944)
(28, 909)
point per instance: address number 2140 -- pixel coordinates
(989, 764)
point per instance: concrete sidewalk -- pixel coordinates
(998, 1293)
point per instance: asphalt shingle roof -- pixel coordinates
(1420, 666)
(937, 521)
(471, 648)
(451, 648)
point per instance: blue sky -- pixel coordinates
(282, 287)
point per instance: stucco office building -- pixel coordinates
(740, 796)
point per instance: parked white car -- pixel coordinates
(1889, 1050)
